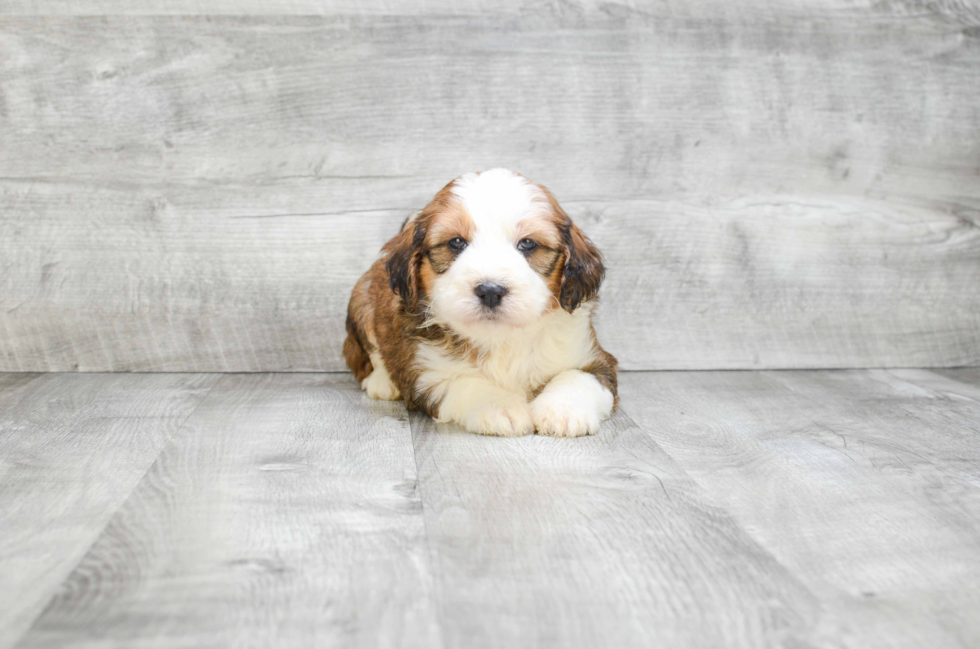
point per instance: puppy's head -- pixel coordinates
(492, 250)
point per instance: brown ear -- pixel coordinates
(583, 270)
(404, 261)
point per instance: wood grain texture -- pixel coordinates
(284, 513)
(604, 541)
(72, 448)
(774, 185)
(952, 11)
(967, 378)
(736, 509)
(863, 485)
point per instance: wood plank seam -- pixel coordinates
(109, 518)
(430, 552)
(745, 440)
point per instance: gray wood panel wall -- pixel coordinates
(196, 186)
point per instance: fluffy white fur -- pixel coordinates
(379, 384)
(490, 396)
(522, 347)
(572, 404)
(497, 201)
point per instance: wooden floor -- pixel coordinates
(716, 509)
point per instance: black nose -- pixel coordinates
(491, 294)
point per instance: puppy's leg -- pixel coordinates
(572, 404)
(479, 406)
(354, 353)
(378, 384)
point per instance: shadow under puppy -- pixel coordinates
(480, 312)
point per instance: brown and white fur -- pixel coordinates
(521, 358)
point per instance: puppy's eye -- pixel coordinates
(526, 245)
(457, 243)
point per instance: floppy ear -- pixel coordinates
(583, 270)
(404, 261)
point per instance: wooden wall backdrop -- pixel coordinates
(196, 186)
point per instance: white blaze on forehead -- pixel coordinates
(498, 199)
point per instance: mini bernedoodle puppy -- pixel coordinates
(479, 312)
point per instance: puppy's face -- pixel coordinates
(493, 250)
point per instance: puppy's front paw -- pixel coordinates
(558, 416)
(508, 419)
(379, 385)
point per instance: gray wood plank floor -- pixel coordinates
(737, 509)
(72, 448)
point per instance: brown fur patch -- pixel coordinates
(356, 354)
(541, 228)
(554, 281)
(396, 331)
(402, 264)
(389, 301)
(409, 248)
(584, 270)
(441, 258)
(604, 368)
(427, 275)
(357, 346)
(543, 260)
(448, 221)
(386, 309)
(544, 229)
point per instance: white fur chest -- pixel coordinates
(519, 359)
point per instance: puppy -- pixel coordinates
(479, 312)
